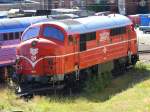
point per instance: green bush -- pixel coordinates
(97, 83)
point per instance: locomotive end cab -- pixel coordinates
(36, 55)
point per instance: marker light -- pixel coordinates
(34, 43)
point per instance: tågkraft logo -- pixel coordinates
(33, 52)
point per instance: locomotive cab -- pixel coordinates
(38, 51)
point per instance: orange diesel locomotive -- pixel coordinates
(59, 51)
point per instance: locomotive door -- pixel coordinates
(76, 50)
(71, 61)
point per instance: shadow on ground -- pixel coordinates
(118, 85)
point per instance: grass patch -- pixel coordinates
(142, 67)
(127, 93)
(97, 83)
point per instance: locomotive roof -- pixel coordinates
(19, 24)
(92, 23)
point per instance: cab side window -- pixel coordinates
(86, 37)
(117, 31)
(90, 36)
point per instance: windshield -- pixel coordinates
(52, 32)
(31, 33)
